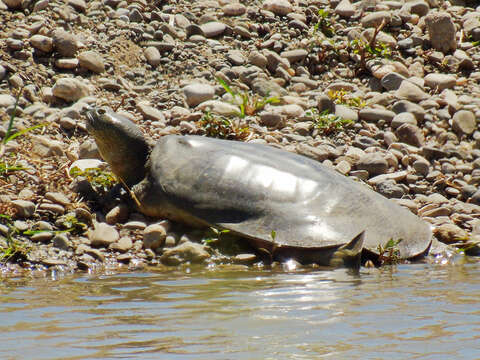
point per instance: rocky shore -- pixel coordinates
(384, 91)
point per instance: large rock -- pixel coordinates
(103, 235)
(441, 31)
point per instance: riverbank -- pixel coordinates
(388, 93)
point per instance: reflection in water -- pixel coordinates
(412, 311)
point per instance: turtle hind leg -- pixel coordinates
(350, 254)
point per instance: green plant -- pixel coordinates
(213, 234)
(249, 105)
(222, 128)
(370, 49)
(14, 249)
(390, 253)
(324, 24)
(100, 180)
(6, 167)
(326, 122)
(342, 97)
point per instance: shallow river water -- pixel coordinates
(416, 311)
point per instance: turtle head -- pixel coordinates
(120, 142)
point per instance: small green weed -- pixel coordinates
(370, 49)
(324, 24)
(343, 97)
(7, 167)
(249, 105)
(326, 122)
(222, 128)
(100, 180)
(390, 254)
(14, 249)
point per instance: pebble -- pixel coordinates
(103, 235)
(185, 252)
(123, 245)
(374, 163)
(213, 29)
(376, 114)
(441, 31)
(440, 81)
(153, 56)
(154, 236)
(42, 43)
(464, 122)
(198, 93)
(234, 9)
(91, 60)
(345, 9)
(70, 89)
(65, 43)
(278, 7)
(403, 118)
(60, 241)
(25, 209)
(411, 92)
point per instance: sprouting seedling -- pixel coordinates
(390, 253)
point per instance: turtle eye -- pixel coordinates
(102, 111)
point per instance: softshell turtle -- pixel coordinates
(318, 215)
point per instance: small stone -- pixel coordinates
(119, 214)
(441, 31)
(53, 208)
(78, 5)
(410, 134)
(392, 81)
(42, 43)
(65, 43)
(234, 9)
(390, 189)
(403, 118)
(376, 114)
(149, 112)
(103, 235)
(92, 61)
(245, 259)
(410, 107)
(278, 7)
(258, 59)
(271, 119)
(213, 29)
(440, 81)
(219, 107)
(60, 241)
(25, 209)
(186, 251)
(135, 225)
(153, 56)
(411, 92)
(70, 89)
(122, 245)
(464, 123)
(6, 100)
(421, 166)
(450, 233)
(198, 93)
(13, 4)
(235, 57)
(58, 198)
(374, 19)
(374, 163)
(154, 236)
(67, 64)
(42, 237)
(345, 9)
(294, 56)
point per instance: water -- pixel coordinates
(416, 311)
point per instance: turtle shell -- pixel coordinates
(254, 189)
